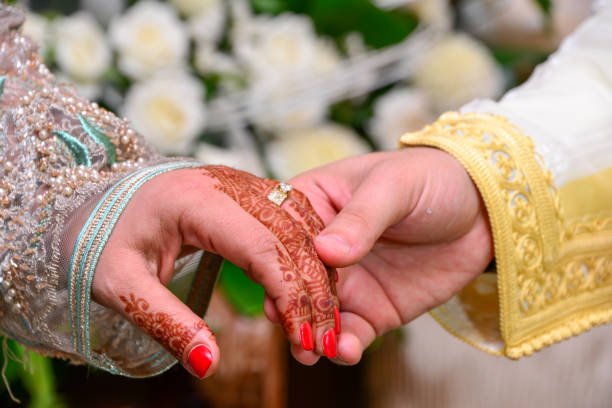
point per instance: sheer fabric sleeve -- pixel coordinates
(66, 164)
(542, 160)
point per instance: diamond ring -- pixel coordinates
(280, 193)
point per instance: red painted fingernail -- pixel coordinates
(337, 324)
(306, 336)
(200, 359)
(329, 343)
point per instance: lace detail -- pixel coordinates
(554, 276)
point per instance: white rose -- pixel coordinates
(305, 149)
(207, 24)
(242, 159)
(168, 109)
(456, 70)
(103, 10)
(287, 42)
(397, 112)
(37, 28)
(280, 54)
(149, 37)
(81, 49)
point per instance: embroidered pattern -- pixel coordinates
(542, 277)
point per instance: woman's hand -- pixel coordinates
(409, 230)
(227, 212)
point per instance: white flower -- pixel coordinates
(149, 37)
(267, 45)
(168, 109)
(281, 54)
(207, 23)
(242, 159)
(397, 112)
(81, 49)
(103, 10)
(305, 149)
(37, 28)
(456, 70)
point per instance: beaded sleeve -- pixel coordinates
(542, 161)
(61, 157)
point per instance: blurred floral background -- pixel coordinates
(276, 87)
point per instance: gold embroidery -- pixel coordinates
(554, 275)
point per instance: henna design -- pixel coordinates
(172, 335)
(250, 193)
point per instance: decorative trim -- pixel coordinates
(550, 286)
(91, 242)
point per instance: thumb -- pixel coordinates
(147, 303)
(376, 204)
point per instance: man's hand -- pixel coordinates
(408, 229)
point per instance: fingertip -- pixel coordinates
(200, 359)
(203, 356)
(305, 357)
(334, 250)
(350, 349)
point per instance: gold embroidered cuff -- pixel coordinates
(547, 288)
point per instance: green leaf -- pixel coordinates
(337, 18)
(269, 6)
(36, 376)
(245, 295)
(40, 382)
(545, 6)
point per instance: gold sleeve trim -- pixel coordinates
(552, 281)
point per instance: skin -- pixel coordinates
(408, 230)
(224, 211)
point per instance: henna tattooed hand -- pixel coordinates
(227, 212)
